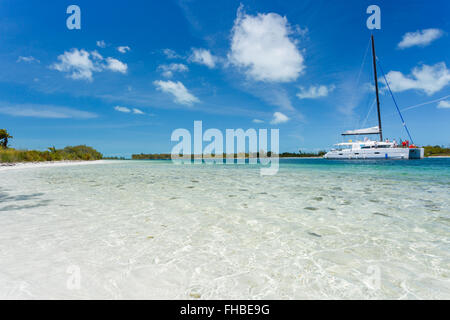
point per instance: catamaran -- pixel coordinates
(374, 149)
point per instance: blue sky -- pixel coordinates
(137, 70)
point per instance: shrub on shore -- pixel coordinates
(68, 153)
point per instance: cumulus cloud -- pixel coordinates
(203, 56)
(44, 111)
(29, 59)
(257, 121)
(262, 47)
(444, 104)
(314, 92)
(77, 63)
(101, 44)
(279, 117)
(123, 49)
(429, 79)
(169, 69)
(81, 64)
(116, 65)
(420, 38)
(178, 90)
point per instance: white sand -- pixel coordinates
(30, 165)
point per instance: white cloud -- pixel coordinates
(203, 56)
(128, 110)
(137, 111)
(77, 63)
(279, 117)
(80, 66)
(420, 38)
(429, 79)
(169, 69)
(314, 92)
(29, 59)
(123, 49)
(44, 111)
(101, 44)
(262, 47)
(257, 121)
(96, 55)
(444, 104)
(170, 54)
(178, 90)
(116, 65)
(122, 109)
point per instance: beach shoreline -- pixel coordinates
(44, 164)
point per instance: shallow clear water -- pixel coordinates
(152, 229)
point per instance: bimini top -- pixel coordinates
(372, 130)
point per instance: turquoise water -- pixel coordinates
(152, 229)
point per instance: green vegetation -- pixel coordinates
(436, 151)
(4, 136)
(301, 154)
(160, 156)
(68, 153)
(52, 154)
(167, 156)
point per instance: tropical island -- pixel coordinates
(86, 153)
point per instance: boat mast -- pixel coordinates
(376, 87)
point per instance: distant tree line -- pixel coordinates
(301, 154)
(436, 151)
(114, 158)
(168, 156)
(155, 156)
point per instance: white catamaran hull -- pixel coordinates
(377, 153)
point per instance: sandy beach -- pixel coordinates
(31, 165)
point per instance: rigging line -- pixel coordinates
(425, 103)
(370, 110)
(363, 63)
(360, 70)
(395, 102)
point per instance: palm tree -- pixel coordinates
(4, 136)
